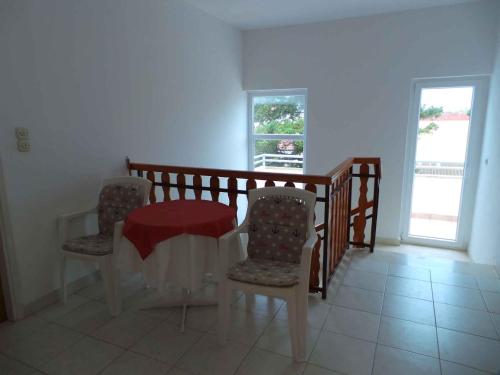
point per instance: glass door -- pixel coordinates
(444, 145)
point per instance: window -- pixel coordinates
(277, 127)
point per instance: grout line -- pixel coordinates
(436, 328)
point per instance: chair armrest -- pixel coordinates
(224, 242)
(305, 259)
(64, 220)
(243, 228)
(117, 237)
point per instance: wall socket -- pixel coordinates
(23, 146)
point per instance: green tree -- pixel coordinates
(267, 112)
(431, 113)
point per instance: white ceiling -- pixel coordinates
(254, 14)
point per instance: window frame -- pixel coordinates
(251, 94)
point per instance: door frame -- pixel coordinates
(472, 160)
(8, 273)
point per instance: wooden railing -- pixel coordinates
(353, 182)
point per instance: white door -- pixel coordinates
(443, 152)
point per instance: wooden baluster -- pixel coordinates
(165, 181)
(290, 184)
(151, 177)
(315, 265)
(232, 186)
(181, 185)
(333, 223)
(251, 184)
(269, 183)
(360, 220)
(311, 188)
(214, 186)
(197, 186)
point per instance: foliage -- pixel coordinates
(429, 113)
(281, 127)
(266, 112)
(278, 118)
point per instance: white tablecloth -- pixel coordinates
(182, 260)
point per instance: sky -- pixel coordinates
(452, 99)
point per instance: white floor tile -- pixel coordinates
(359, 299)
(276, 338)
(453, 278)
(465, 320)
(207, 357)
(166, 343)
(469, 350)
(489, 284)
(316, 314)
(454, 295)
(9, 366)
(492, 301)
(365, 280)
(449, 368)
(13, 332)
(87, 318)
(358, 324)
(390, 361)
(245, 326)
(366, 264)
(261, 304)
(409, 288)
(496, 322)
(126, 329)
(416, 310)
(262, 362)
(201, 318)
(88, 356)
(406, 335)
(131, 363)
(57, 310)
(343, 354)
(177, 371)
(409, 272)
(316, 370)
(43, 345)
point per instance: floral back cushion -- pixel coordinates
(278, 229)
(116, 201)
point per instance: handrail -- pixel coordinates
(342, 225)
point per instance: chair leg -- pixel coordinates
(293, 325)
(62, 271)
(223, 310)
(108, 275)
(302, 310)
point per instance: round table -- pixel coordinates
(177, 242)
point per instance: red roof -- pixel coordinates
(448, 116)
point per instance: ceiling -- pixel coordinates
(255, 14)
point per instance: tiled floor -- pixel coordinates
(387, 313)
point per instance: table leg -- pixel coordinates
(184, 302)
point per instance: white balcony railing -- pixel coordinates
(278, 161)
(439, 169)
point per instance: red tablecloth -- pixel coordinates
(147, 226)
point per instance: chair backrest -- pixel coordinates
(280, 219)
(118, 197)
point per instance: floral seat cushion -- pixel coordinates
(96, 244)
(277, 229)
(265, 272)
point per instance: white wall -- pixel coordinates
(96, 81)
(358, 72)
(485, 240)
